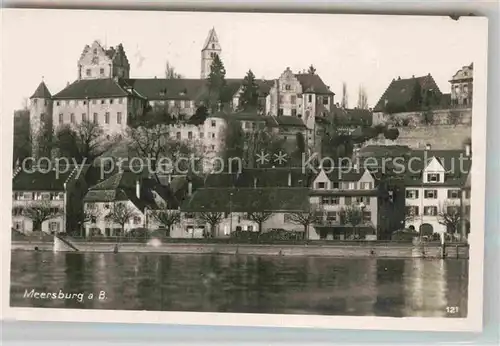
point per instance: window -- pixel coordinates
(177, 103)
(331, 216)
(72, 118)
(42, 117)
(412, 210)
(430, 194)
(325, 100)
(88, 72)
(190, 135)
(106, 118)
(95, 118)
(54, 226)
(68, 102)
(212, 123)
(294, 112)
(95, 50)
(103, 101)
(354, 186)
(35, 102)
(120, 100)
(137, 220)
(57, 103)
(433, 178)
(84, 102)
(213, 46)
(365, 186)
(336, 185)
(329, 200)
(101, 71)
(212, 147)
(344, 186)
(18, 225)
(61, 118)
(288, 87)
(309, 98)
(111, 101)
(467, 194)
(453, 193)
(178, 135)
(189, 216)
(413, 194)
(347, 200)
(293, 99)
(280, 112)
(213, 134)
(430, 211)
(202, 135)
(321, 185)
(119, 117)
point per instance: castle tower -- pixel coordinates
(210, 49)
(40, 120)
(98, 62)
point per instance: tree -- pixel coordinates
(450, 216)
(234, 144)
(261, 140)
(362, 98)
(391, 134)
(121, 213)
(345, 97)
(249, 97)
(416, 99)
(259, 217)
(85, 141)
(351, 215)
(301, 146)
(166, 217)
(218, 92)
(213, 218)
(39, 212)
(170, 72)
(312, 70)
(409, 214)
(22, 135)
(305, 218)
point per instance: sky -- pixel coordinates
(356, 49)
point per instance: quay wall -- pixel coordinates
(325, 250)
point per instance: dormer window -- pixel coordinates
(321, 185)
(433, 178)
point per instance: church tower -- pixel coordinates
(210, 49)
(40, 120)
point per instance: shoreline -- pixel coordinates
(365, 250)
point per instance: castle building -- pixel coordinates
(105, 94)
(461, 86)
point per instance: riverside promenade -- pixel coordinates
(360, 249)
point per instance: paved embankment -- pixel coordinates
(366, 249)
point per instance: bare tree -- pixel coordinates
(305, 218)
(166, 217)
(450, 216)
(170, 72)
(121, 213)
(410, 214)
(213, 218)
(39, 212)
(259, 217)
(351, 215)
(454, 117)
(362, 98)
(345, 97)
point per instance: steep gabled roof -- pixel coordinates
(400, 91)
(41, 92)
(94, 88)
(42, 180)
(212, 36)
(313, 83)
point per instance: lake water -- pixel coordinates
(250, 284)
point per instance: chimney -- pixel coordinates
(289, 179)
(427, 146)
(138, 189)
(467, 150)
(255, 182)
(190, 188)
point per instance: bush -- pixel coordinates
(391, 134)
(138, 233)
(245, 235)
(281, 234)
(426, 230)
(403, 235)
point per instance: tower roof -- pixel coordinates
(212, 37)
(42, 92)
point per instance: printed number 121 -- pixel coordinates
(452, 309)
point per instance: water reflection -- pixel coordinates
(252, 284)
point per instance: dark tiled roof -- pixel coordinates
(400, 91)
(288, 121)
(347, 193)
(449, 159)
(41, 92)
(24, 180)
(212, 36)
(220, 180)
(93, 88)
(248, 199)
(344, 174)
(313, 83)
(241, 116)
(274, 177)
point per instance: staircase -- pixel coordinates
(62, 244)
